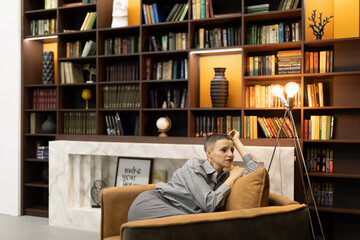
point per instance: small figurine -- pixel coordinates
(318, 29)
(120, 13)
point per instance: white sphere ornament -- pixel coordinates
(164, 125)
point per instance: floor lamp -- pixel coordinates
(291, 89)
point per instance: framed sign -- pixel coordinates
(133, 171)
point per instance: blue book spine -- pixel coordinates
(152, 15)
(145, 14)
(281, 32)
(156, 13)
(182, 69)
(202, 9)
(174, 72)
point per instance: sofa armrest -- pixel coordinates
(115, 204)
(281, 222)
(277, 200)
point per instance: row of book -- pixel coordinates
(152, 14)
(122, 45)
(323, 193)
(178, 12)
(79, 49)
(71, 72)
(271, 126)
(207, 125)
(261, 65)
(170, 98)
(121, 96)
(260, 96)
(43, 27)
(320, 160)
(319, 61)
(164, 70)
(217, 37)
(275, 33)
(80, 123)
(89, 21)
(319, 127)
(250, 129)
(114, 125)
(44, 98)
(202, 9)
(288, 4)
(48, 4)
(289, 62)
(258, 8)
(315, 94)
(122, 72)
(169, 42)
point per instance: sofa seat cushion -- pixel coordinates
(113, 238)
(249, 191)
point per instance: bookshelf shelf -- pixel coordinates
(335, 175)
(36, 184)
(340, 95)
(36, 160)
(337, 210)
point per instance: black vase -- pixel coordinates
(48, 126)
(47, 67)
(219, 89)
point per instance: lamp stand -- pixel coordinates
(300, 155)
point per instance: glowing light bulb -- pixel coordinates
(276, 90)
(291, 89)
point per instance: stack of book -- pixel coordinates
(319, 61)
(169, 42)
(217, 37)
(275, 33)
(261, 65)
(319, 127)
(42, 152)
(121, 96)
(323, 193)
(122, 45)
(202, 9)
(42, 26)
(71, 72)
(79, 122)
(152, 13)
(207, 125)
(289, 62)
(114, 125)
(270, 127)
(315, 94)
(122, 72)
(44, 99)
(178, 12)
(320, 160)
(89, 21)
(250, 128)
(260, 96)
(258, 8)
(89, 49)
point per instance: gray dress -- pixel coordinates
(194, 188)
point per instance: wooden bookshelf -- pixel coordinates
(341, 87)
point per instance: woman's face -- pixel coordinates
(221, 155)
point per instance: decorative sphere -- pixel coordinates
(162, 123)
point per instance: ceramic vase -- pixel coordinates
(48, 126)
(48, 67)
(219, 89)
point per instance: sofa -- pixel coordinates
(250, 212)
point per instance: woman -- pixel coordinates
(198, 186)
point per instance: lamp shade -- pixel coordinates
(291, 89)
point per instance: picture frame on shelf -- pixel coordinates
(133, 171)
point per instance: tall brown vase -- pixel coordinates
(219, 89)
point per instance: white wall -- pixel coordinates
(10, 78)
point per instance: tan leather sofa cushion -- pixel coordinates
(249, 191)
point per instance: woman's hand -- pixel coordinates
(236, 172)
(234, 134)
